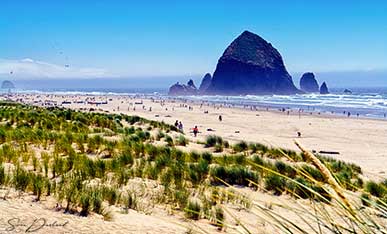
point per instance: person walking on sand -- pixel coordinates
(220, 118)
(195, 131)
(180, 126)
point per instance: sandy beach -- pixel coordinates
(357, 140)
(188, 117)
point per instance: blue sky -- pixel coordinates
(162, 38)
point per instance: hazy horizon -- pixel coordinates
(343, 43)
(348, 79)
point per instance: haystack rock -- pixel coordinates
(324, 88)
(182, 89)
(308, 83)
(206, 82)
(251, 65)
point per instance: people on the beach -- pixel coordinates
(220, 118)
(177, 123)
(195, 131)
(180, 126)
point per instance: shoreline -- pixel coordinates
(292, 111)
(304, 109)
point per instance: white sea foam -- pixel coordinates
(363, 103)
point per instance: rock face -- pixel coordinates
(250, 65)
(7, 85)
(308, 83)
(347, 91)
(324, 88)
(182, 89)
(206, 82)
(191, 85)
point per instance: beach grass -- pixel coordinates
(87, 160)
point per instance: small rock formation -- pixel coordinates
(347, 91)
(308, 83)
(182, 89)
(324, 88)
(191, 84)
(206, 82)
(251, 65)
(7, 85)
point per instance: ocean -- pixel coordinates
(365, 102)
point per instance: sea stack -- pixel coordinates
(182, 89)
(206, 82)
(191, 85)
(251, 65)
(7, 85)
(324, 88)
(308, 83)
(347, 91)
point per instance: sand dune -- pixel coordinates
(361, 141)
(22, 214)
(358, 140)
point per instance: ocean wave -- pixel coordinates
(368, 104)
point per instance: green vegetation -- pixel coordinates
(86, 160)
(213, 140)
(192, 210)
(182, 141)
